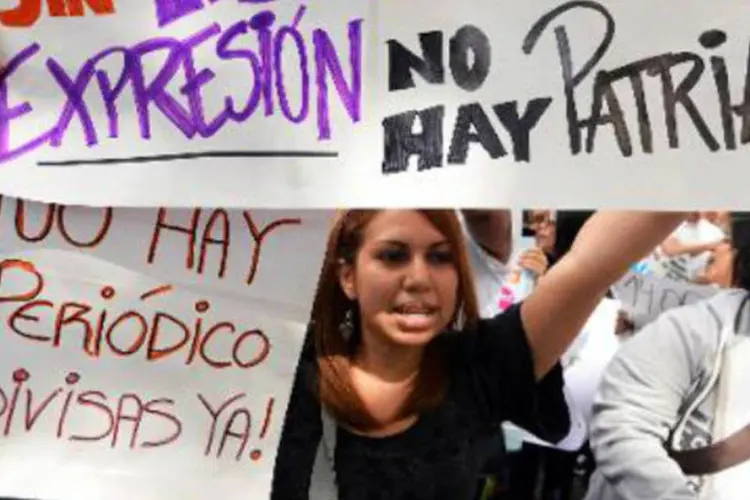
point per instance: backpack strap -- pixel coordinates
(728, 452)
(717, 457)
(698, 394)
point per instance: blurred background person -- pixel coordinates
(720, 219)
(683, 256)
(542, 224)
(490, 242)
(676, 393)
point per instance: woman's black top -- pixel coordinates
(441, 456)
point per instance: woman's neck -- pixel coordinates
(388, 362)
(384, 375)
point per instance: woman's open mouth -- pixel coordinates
(415, 316)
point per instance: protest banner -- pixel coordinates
(644, 297)
(277, 103)
(146, 360)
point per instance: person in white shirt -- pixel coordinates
(685, 253)
(675, 393)
(720, 219)
(542, 225)
(490, 243)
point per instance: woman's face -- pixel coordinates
(543, 225)
(403, 278)
(719, 268)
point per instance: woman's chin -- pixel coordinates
(412, 338)
(410, 332)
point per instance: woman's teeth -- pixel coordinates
(414, 311)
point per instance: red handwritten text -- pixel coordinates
(237, 426)
(125, 421)
(215, 232)
(56, 215)
(28, 12)
(131, 333)
(122, 420)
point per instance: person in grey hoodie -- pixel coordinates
(659, 394)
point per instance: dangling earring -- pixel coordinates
(346, 328)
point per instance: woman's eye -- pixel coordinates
(441, 257)
(393, 255)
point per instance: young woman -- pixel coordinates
(401, 385)
(676, 388)
(544, 226)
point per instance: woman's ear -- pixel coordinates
(346, 279)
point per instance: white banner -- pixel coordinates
(126, 376)
(278, 103)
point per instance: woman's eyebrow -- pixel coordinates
(441, 243)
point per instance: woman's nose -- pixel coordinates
(418, 273)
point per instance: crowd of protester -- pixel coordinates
(619, 444)
(447, 358)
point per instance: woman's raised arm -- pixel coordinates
(567, 295)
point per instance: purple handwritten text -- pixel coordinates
(265, 48)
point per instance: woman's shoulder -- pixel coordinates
(507, 322)
(493, 371)
(705, 320)
(692, 334)
(500, 339)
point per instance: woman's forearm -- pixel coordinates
(603, 251)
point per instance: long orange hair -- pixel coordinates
(334, 352)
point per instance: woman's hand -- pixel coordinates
(534, 260)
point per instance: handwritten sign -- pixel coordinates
(145, 366)
(644, 297)
(274, 103)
